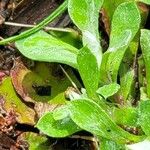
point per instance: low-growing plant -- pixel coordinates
(105, 107)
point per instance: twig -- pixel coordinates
(67, 75)
(38, 27)
(31, 26)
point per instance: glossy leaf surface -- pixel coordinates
(43, 47)
(89, 116)
(56, 128)
(125, 24)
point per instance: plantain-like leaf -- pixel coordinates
(108, 90)
(125, 24)
(44, 47)
(145, 46)
(144, 116)
(56, 128)
(85, 14)
(88, 70)
(89, 116)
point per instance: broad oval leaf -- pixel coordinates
(108, 90)
(125, 24)
(84, 14)
(145, 46)
(56, 128)
(44, 47)
(89, 116)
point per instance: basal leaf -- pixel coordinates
(89, 116)
(144, 116)
(44, 47)
(85, 14)
(125, 24)
(145, 46)
(56, 128)
(88, 70)
(108, 90)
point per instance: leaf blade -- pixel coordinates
(43, 47)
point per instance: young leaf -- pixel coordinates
(88, 69)
(89, 116)
(145, 46)
(56, 128)
(144, 116)
(43, 47)
(108, 90)
(125, 24)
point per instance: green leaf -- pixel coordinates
(145, 46)
(85, 14)
(125, 24)
(127, 116)
(73, 38)
(56, 128)
(145, 1)
(144, 116)
(110, 145)
(88, 70)
(89, 116)
(43, 47)
(126, 81)
(108, 90)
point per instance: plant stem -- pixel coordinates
(31, 26)
(38, 27)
